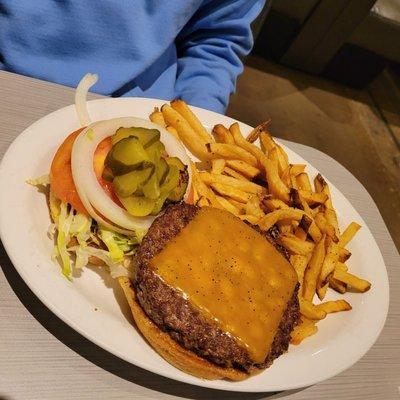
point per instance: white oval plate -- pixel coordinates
(95, 307)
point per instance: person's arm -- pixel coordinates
(210, 48)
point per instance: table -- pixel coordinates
(42, 358)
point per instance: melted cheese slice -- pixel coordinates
(232, 274)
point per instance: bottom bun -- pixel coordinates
(173, 352)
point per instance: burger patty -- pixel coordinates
(184, 323)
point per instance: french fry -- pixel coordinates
(285, 213)
(295, 245)
(196, 145)
(203, 202)
(348, 234)
(240, 206)
(222, 134)
(331, 218)
(341, 266)
(305, 329)
(274, 204)
(255, 133)
(313, 270)
(328, 266)
(275, 184)
(296, 169)
(282, 159)
(285, 227)
(230, 151)
(313, 198)
(157, 117)
(273, 156)
(324, 227)
(253, 207)
(310, 227)
(299, 264)
(227, 205)
(267, 143)
(243, 143)
(303, 181)
(337, 285)
(245, 186)
(334, 306)
(202, 189)
(286, 178)
(217, 165)
(234, 174)
(230, 191)
(242, 167)
(183, 109)
(351, 280)
(310, 310)
(344, 255)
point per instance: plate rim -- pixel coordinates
(203, 383)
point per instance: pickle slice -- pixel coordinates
(127, 155)
(171, 180)
(127, 184)
(180, 189)
(145, 136)
(151, 188)
(162, 170)
(138, 206)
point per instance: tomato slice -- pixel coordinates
(61, 180)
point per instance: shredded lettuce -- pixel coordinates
(118, 245)
(41, 181)
(64, 223)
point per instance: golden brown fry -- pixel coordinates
(285, 213)
(222, 134)
(296, 169)
(267, 143)
(242, 167)
(310, 310)
(286, 178)
(324, 227)
(310, 227)
(295, 245)
(321, 291)
(183, 109)
(305, 329)
(203, 202)
(253, 207)
(275, 184)
(234, 129)
(328, 266)
(331, 218)
(217, 165)
(157, 117)
(344, 255)
(245, 186)
(313, 198)
(334, 306)
(202, 189)
(234, 193)
(230, 151)
(337, 285)
(227, 205)
(273, 156)
(313, 270)
(285, 227)
(231, 172)
(299, 263)
(303, 181)
(283, 159)
(348, 234)
(274, 204)
(196, 145)
(351, 280)
(240, 206)
(255, 133)
(342, 267)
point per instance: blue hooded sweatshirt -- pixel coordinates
(189, 49)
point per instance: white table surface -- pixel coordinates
(42, 358)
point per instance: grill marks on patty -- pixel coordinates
(184, 323)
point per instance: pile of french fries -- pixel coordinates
(259, 185)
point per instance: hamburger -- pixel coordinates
(214, 296)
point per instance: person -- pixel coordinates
(189, 49)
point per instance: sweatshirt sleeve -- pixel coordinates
(210, 48)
